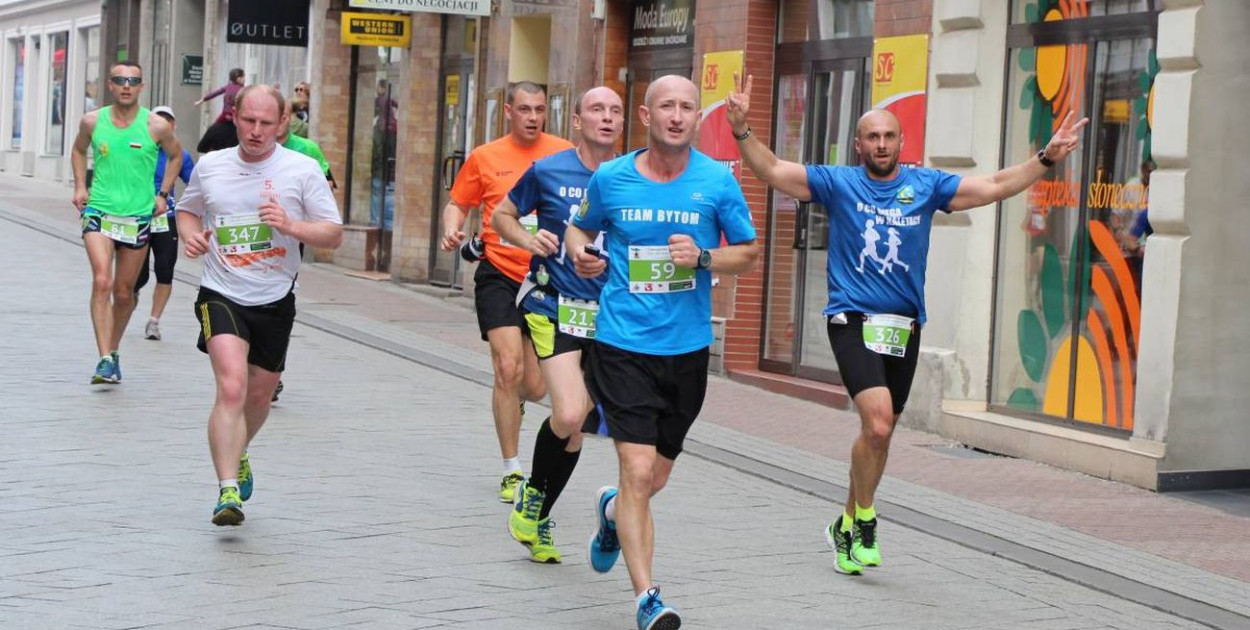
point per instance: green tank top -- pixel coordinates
(125, 166)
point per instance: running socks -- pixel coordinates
(865, 513)
(512, 465)
(552, 466)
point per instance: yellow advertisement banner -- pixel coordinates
(716, 81)
(375, 29)
(900, 70)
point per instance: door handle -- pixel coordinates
(800, 224)
(451, 168)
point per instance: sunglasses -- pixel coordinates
(300, 90)
(126, 80)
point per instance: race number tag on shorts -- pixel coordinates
(121, 229)
(529, 222)
(243, 233)
(887, 334)
(160, 223)
(577, 317)
(652, 270)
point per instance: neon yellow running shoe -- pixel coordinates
(229, 510)
(523, 519)
(507, 487)
(246, 480)
(840, 541)
(544, 548)
(864, 548)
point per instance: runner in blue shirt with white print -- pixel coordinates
(560, 307)
(663, 211)
(880, 217)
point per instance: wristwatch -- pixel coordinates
(705, 259)
(1041, 157)
(165, 194)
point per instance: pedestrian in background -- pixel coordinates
(231, 93)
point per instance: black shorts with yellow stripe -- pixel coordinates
(266, 328)
(549, 341)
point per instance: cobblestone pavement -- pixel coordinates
(375, 500)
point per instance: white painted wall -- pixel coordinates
(36, 21)
(1198, 263)
(964, 132)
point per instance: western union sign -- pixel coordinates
(376, 29)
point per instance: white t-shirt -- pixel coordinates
(247, 261)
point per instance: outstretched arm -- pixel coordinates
(982, 190)
(788, 177)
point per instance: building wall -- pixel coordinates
(964, 136)
(416, 151)
(331, 91)
(750, 26)
(1197, 268)
(34, 22)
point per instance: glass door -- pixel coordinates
(456, 139)
(817, 112)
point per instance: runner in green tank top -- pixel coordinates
(117, 211)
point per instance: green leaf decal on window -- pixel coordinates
(1052, 290)
(1032, 341)
(1023, 398)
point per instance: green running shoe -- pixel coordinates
(507, 487)
(523, 520)
(229, 510)
(544, 548)
(840, 541)
(245, 478)
(864, 548)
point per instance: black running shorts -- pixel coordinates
(647, 398)
(266, 328)
(494, 296)
(862, 368)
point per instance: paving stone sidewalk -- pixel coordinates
(374, 507)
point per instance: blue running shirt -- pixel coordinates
(635, 213)
(554, 187)
(879, 236)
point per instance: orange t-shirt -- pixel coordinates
(487, 177)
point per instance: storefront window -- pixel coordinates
(91, 70)
(804, 20)
(377, 129)
(58, 43)
(1041, 10)
(1068, 281)
(19, 75)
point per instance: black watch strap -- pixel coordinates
(1041, 157)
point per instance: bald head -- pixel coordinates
(877, 119)
(670, 83)
(599, 94)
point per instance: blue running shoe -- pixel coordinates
(654, 615)
(605, 548)
(103, 372)
(117, 366)
(245, 477)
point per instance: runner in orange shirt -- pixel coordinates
(484, 181)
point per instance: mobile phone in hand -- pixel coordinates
(594, 251)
